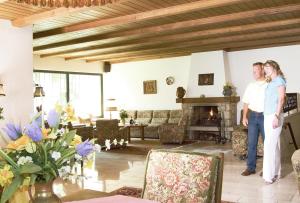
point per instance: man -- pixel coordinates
(253, 100)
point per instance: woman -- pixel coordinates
(273, 120)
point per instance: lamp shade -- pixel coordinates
(1, 90)
(111, 108)
(39, 91)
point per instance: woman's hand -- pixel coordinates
(275, 123)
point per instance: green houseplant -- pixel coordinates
(227, 89)
(123, 115)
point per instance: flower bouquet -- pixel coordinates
(39, 153)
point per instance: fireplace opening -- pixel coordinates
(205, 116)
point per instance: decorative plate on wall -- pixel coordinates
(170, 80)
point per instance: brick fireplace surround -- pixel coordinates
(227, 108)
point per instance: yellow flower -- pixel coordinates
(20, 143)
(70, 113)
(6, 176)
(46, 134)
(76, 140)
(58, 108)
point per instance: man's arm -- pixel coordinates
(245, 112)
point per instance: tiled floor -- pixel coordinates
(113, 170)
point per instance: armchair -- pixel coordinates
(180, 176)
(240, 141)
(109, 129)
(173, 132)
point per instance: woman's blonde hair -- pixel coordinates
(276, 67)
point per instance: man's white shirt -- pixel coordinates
(254, 95)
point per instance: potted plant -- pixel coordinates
(227, 89)
(123, 115)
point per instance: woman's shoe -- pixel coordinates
(269, 183)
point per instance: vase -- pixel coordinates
(180, 92)
(123, 121)
(227, 92)
(21, 195)
(44, 193)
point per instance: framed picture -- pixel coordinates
(206, 79)
(150, 87)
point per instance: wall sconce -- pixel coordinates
(2, 93)
(39, 91)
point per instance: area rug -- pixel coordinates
(135, 192)
(138, 147)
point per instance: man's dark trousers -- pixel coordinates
(255, 126)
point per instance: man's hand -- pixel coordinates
(275, 123)
(245, 122)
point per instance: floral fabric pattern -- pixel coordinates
(240, 142)
(175, 177)
(296, 166)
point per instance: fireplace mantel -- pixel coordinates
(232, 99)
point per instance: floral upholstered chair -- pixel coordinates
(296, 166)
(180, 176)
(240, 141)
(173, 132)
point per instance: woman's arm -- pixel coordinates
(281, 97)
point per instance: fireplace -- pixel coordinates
(205, 116)
(210, 115)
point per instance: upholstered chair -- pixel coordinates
(173, 132)
(296, 166)
(240, 141)
(180, 176)
(109, 129)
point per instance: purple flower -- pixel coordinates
(34, 132)
(13, 131)
(38, 121)
(84, 148)
(53, 118)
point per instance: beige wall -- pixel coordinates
(59, 64)
(16, 74)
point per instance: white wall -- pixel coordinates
(203, 63)
(16, 73)
(59, 64)
(240, 63)
(125, 83)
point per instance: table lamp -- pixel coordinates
(111, 107)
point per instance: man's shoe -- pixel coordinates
(247, 172)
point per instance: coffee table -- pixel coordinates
(140, 126)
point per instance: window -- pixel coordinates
(82, 90)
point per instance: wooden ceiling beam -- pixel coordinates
(152, 57)
(196, 48)
(53, 13)
(176, 37)
(201, 42)
(149, 57)
(157, 13)
(148, 31)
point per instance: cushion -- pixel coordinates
(180, 177)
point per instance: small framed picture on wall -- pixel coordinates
(206, 79)
(150, 87)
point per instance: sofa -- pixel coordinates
(153, 119)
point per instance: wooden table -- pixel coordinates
(140, 126)
(114, 199)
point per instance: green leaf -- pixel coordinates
(30, 168)
(11, 189)
(8, 159)
(32, 179)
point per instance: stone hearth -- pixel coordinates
(227, 110)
